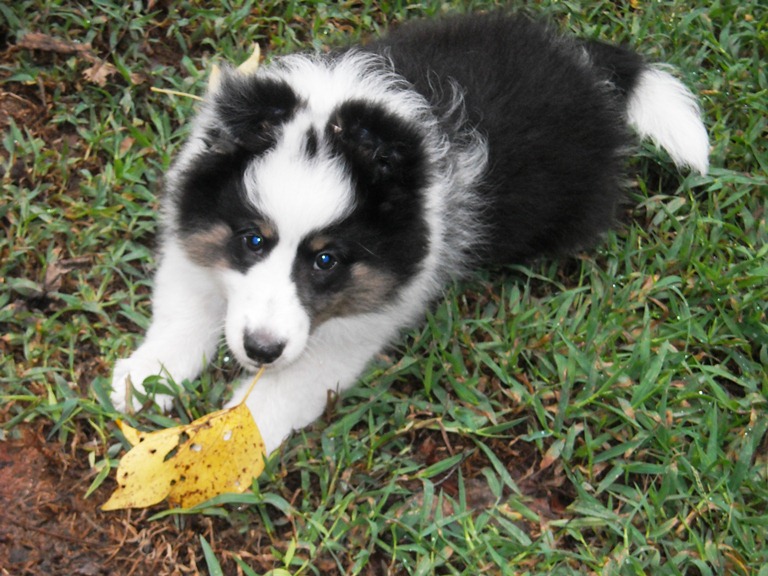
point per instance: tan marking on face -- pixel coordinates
(369, 289)
(267, 229)
(208, 247)
(318, 243)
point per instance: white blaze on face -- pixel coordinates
(298, 195)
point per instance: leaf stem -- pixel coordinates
(253, 384)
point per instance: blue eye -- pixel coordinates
(325, 261)
(254, 242)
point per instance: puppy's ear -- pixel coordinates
(217, 141)
(252, 109)
(381, 147)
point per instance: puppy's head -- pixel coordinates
(305, 198)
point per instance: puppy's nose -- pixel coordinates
(262, 347)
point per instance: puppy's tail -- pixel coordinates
(661, 108)
(658, 105)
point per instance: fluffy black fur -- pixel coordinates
(556, 130)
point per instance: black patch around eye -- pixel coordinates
(248, 247)
(253, 109)
(211, 198)
(355, 281)
(317, 286)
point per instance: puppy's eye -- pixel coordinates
(325, 261)
(254, 242)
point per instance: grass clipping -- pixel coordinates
(218, 453)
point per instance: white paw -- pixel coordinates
(128, 380)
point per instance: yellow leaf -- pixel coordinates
(189, 464)
(131, 434)
(252, 64)
(248, 67)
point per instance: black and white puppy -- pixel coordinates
(323, 201)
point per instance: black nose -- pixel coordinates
(262, 348)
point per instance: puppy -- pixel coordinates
(323, 201)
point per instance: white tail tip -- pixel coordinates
(661, 108)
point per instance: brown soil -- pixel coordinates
(47, 526)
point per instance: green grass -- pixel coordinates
(605, 414)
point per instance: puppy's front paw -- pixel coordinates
(128, 383)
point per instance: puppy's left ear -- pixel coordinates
(381, 147)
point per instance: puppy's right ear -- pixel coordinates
(252, 109)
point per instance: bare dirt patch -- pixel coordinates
(48, 527)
